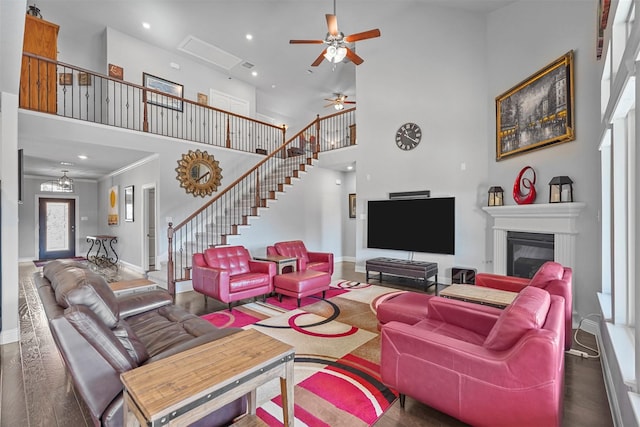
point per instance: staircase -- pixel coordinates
(216, 222)
(125, 105)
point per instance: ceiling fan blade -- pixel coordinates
(332, 24)
(329, 105)
(319, 59)
(349, 102)
(362, 36)
(306, 41)
(353, 57)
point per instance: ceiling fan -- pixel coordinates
(338, 102)
(337, 43)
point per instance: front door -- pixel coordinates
(57, 235)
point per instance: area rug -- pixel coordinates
(42, 262)
(337, 359)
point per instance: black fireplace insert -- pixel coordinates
(526, 252)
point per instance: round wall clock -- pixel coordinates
(408, 136)
(199, 173)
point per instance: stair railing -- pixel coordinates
(86, 95)
(230, 210)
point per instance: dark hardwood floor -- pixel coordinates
(34, 390)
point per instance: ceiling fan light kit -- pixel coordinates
(337, 43)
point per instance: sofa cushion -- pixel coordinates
(51, 268)
(100, 337)
(548, 271)
(131, 342)
(83, 287)
(527, 311)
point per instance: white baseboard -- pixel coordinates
(9, 336)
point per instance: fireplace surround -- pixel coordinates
(558, 219)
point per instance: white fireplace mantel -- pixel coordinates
(558, 219)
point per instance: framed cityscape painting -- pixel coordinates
(538, 112)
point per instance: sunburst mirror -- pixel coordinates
(199, 173)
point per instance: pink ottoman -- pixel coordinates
(301, 284)
(408, 307)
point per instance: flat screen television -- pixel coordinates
(417, 225)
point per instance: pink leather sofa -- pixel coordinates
(551, 276)
(228, 274)
(319, 261)
(482, 365)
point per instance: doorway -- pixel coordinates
(149, 227)
(57, 228)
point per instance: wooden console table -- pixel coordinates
(406, 268)
(185, 387)
(480, 295)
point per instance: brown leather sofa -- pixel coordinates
(101, 335)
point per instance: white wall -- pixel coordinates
(436, 78)
(519, 47)
(86, 207)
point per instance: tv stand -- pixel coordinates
(405, 268)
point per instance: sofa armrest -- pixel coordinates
(266, 267)
(320, 256)
(139, 302)
(474, 317)
(504, 283)
(211, 281)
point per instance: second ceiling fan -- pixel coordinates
(337, 43)
(338, 102)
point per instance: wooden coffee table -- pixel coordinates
(185, 387)
(479, 295)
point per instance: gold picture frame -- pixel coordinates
(203, 99)
(537, 112)
(84, 79)
(65, 79)
(352, 205)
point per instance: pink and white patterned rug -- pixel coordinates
(337, 354)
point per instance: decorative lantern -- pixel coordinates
(560, 189)
(496, 196)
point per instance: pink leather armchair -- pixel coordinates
(319, 261)
(551, 276)
(228, 274)
(484, 366)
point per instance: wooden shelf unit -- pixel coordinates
(38, 82)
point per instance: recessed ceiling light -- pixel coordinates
(249, 37)
(254, 73)
(146, 25)
(273, 86)
(66, 163)
(82, 157)
(349, 168)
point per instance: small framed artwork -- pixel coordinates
(84, 79)
(113, 217)
(116, 72)
(203, 99)
(352, 205)
(65, 79)
(161, 85)
(128, 203)
(538, 112)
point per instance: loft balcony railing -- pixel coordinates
(227, 212)
(68, 91)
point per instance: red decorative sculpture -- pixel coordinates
(528, 198)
